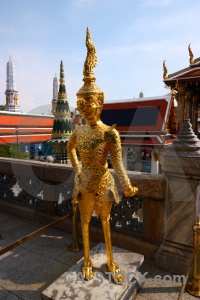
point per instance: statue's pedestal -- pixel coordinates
(71, 285)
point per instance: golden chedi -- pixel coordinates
(95, 188)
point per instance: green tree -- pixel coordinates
(13, 151)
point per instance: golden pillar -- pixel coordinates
(194, 114)
(194, 287)
(181, 105)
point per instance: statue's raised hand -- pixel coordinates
(130, 190)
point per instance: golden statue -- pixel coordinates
(95, 188)
(165, 76)
(191, 60)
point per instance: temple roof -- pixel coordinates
(191, 73)
(140, 122)
(137, 115)
(24, 128)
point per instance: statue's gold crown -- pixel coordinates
(89, 87)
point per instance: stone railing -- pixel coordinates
(44, 186)
(48, 188)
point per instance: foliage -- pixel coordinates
(13, 151)
(2, 107)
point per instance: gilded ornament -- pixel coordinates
(191, 60)
(165, 76)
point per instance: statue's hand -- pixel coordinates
(130, 190)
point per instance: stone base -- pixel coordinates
(173, 257)
(71, 285)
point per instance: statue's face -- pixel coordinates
(87, 107)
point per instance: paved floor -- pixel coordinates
(31, 267)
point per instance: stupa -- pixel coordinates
(62, 127)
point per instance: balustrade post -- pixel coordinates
(180, 164)
(75, 246)
(50, 197)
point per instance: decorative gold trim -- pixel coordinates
(63, 112)
(191, 60)
(62, 119)
(61, 134)
(165, 76)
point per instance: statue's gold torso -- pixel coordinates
(94, 179)
(93, 148)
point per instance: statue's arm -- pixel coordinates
(71, 150)
(116, 157)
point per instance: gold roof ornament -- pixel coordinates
(176, 85)
(89, 86)
(165, 76)
(191, 60)
(175, 89)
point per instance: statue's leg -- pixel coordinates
(107, 237)
(86, 207)
(105, 220)
(87, 265)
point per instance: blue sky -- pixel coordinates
(132, 38)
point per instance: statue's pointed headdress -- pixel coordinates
(89, 87)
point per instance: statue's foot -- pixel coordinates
(87, 270)
(117, 275)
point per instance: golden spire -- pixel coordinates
(191, 60)
(165, 76)
(89, 85)
(91, 58)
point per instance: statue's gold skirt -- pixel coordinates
(95, 194)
